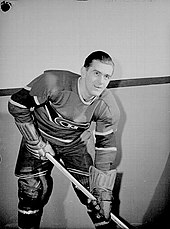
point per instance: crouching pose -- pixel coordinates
(53, 114)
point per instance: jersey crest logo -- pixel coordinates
(57, 118)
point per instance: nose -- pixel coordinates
(101, 80)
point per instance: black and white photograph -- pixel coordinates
(84, 114)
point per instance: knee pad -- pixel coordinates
(34, 192)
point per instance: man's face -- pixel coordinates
(97, 77)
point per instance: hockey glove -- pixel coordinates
(39, 150)
(85, 136)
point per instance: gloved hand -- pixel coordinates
(103, 203)
(33, 141)
(85, 136)
(40, 149)
(101, 186)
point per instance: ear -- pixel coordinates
(83, 72)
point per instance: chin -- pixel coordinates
(97, 93)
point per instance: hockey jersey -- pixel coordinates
(54, 103)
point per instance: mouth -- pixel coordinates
(98, 87)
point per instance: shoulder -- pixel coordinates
(62, 79)
(109, 99)
(109, 105)
(53, 81)
(61, 74)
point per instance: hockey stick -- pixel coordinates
(82, 188)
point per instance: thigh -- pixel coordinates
(77, 161)
(77, 158)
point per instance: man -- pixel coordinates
(53, 114)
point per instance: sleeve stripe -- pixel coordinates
(36, 100)
(16, 104)
(104, 133)
(107, 149)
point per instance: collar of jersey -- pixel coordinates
(81, 98)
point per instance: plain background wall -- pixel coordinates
(41, 34)
(58, 34)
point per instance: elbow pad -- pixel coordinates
(28, 131)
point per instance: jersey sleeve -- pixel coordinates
(34, 94)
(20, 105)
(107, 118)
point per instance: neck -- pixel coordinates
(82, 91)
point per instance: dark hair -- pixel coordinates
(98, 55)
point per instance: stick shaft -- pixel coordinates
(81, 187)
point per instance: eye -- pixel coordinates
(107, 77)
(97, 73)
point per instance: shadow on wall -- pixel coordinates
(119, 176)
(120, 129)
(157, 214)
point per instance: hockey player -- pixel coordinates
(53, 114)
